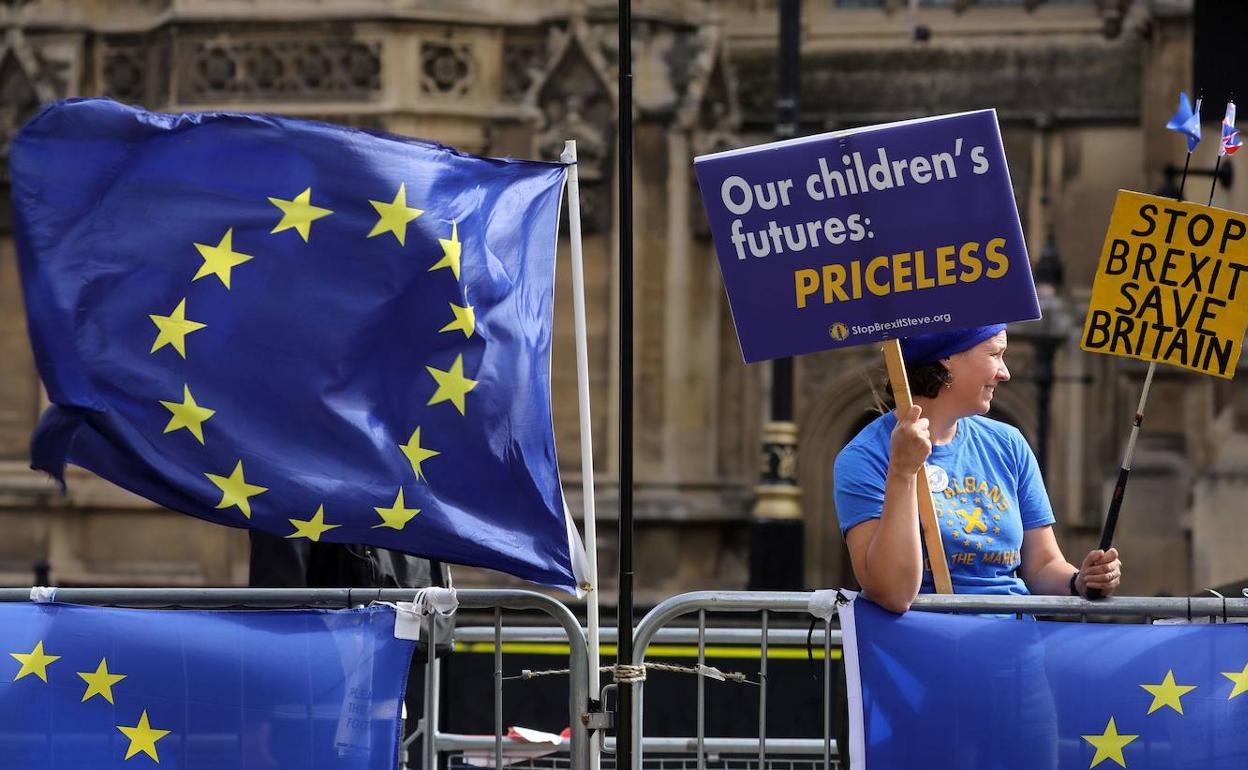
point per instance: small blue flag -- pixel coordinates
(1186, 121)
(89, 687)
(975, 693)
(314, 331)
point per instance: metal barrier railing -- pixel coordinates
(1216, 609)
(332, 598)
(652, 630)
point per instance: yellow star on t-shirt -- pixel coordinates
(101, 682)
(465, 320)
(142, 737)
(174, 328)
(34, 662)
(394, 216)
(1240, 679)
(298, 214)
(1109, 745)
(451, 250)
(235, 490)
(396, 516)
(1168, 693)
(313, 528)
(417, 454)
(219, 260)
(187, 414)
(452, 384)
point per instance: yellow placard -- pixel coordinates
(1171, 285)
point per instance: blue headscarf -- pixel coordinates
(926, 348)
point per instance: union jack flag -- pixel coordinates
(1230, 135)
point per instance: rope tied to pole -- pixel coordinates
(624, 673)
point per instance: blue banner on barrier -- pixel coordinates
(935, 690)
(90, 687)
(865, 235)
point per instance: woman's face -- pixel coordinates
(975, 374)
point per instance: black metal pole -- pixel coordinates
(776, 531)
(624, 605)
(1046, 351)
(788, 93)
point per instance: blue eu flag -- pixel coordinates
(314, 331)
(935, 690)
(88, 687)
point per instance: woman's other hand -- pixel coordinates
(1100, 570)
(911, 443)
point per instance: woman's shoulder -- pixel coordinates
(872, 439)
(996, 430)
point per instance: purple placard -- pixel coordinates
(865, 235)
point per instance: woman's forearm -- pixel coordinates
(1052, 578)
(894, 570)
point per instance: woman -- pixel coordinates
(995, 519)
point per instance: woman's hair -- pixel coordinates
(926, 381)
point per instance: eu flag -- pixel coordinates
(93, 688)
(318, 332)
(974, 693)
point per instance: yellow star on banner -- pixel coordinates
(298, 214)
(396, 516)
(1109, 745)
(465, 320)
(34, 662)
(1168, 693)
(219, 260)
(142, 737)
(174, 328)
(314, 527)
(187, 414)
(452, 384)
(451, 250)
(417, 454)
(235, 490)
(101, 682)
(394, 216)
(1240, 679)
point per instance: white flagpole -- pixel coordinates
(587, 442)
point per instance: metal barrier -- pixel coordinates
(336, 598)
(1216, 609)
(798, 753)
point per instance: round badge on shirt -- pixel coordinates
(937, 478)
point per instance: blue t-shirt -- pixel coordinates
(986, 487)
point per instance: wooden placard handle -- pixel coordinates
(927, 510)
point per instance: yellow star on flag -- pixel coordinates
(34, 662)
(298, 214)
(1168, 693)
(451, 250)
(1240, 679)
(452, 384)
(187, 414)
(173, 329)
(101, 682)
(1109, 745)
(416, 454)
(465, 320)
(394, 216)
(396, 516)
(219, 260)
(142, 737)
(314, 527)
(235, 490)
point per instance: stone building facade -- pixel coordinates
(1082, 90)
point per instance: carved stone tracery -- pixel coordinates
(223, 69)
